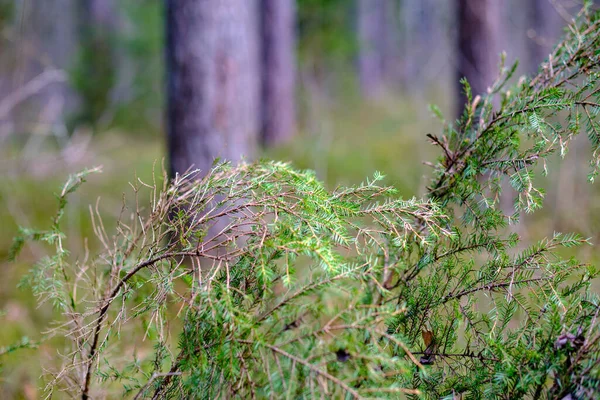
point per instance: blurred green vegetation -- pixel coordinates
(361, 138)
(351, 140)
(358, 138)
(325, 31)
(117, 75)
(342, 137)
(28, 199)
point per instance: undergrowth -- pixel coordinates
(255, 281)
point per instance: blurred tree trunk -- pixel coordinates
(545, 24)
(56, 22)
(371, 20)
(478, 45)
(213, 81)
(419, 35)
(428, 51)
(390, 45)
(278, 29)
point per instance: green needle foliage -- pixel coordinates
(255, 281)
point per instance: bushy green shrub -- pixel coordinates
(257, 282)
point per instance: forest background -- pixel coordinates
(86, 83)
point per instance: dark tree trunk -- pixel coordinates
(213, 82)
(371, 20)
(278, 29)
(478, 45)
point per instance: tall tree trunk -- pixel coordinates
(545, 24)
(213, 81)
(420, 29)
(390, 45)
(478, 45)
(278, 30)
(371, 20)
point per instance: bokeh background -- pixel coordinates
(338, 86)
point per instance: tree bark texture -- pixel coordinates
(278, 30)
(213, 82)
(479, 31)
